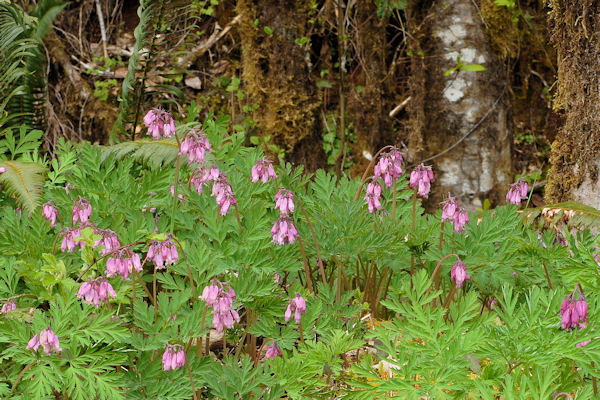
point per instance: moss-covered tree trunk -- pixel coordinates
(276, 77)
(575, 158)
(465, 111)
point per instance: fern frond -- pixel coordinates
(155, 152)
(25, 181)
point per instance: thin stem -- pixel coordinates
(199, 340)
(314, 236)
(394, 202)
(438, 267)
(154, 294)
(152, 299)
(363, 179)
(187, 365)
(307, 271)
(594, 383)
(207, 346)
(301, 332)
(237, 215)
(450, 296)
(547, 276)
(175, 184)
(21, 374)
(189, 270)
(441, 235)
(342, 58)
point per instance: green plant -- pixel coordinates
(463, 66)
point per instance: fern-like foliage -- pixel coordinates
(25, 181)
(23, 62)
(153, 152)
(164, 30)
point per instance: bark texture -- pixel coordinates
(277, 79)
(465, 107)
(575, 158)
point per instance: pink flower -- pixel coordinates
(284, 201)
(459, 273)
(296, 305)
(162, 253)
(223, 193)
(50, 213)
(202, 175)
(449, 207)
(10, 305)
(109, 241)
(81, 211)
(372, 197)
(420, 180)
(179, 195)
(68, 242)
(461, 218)
(195, 145)
(517, 192)
(263, 171)
(47, 339)
(573, 312)
(123, 262)
(273, 351)
(220, 296)
(68, 187)
(284, 231)
(160, 123)
(490, 303)
(96, 290)
(2, 170)
(389, 167)
(173, 357)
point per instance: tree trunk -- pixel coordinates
(276, 77)
(575, 157)
(467, 128)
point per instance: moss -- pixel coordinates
(275, 76)
(502, 31)
(577, 148)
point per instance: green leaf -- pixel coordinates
(25, 180)
(473, 68)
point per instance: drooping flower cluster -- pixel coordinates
(223, 193)
(195, 145)
(263, 171)
(162, 253)
(173, 357)
(50, 213)
(47, 340)
(96, 290)
(284, 231)
(573, 312)
(109, 241)
(68, 243)
(123, 262)
(179, 195)
(82, 210)
(372, 197)
(202, 175)
(284, 201)
(458, 274)
(517, 192)
(220, 296)
(10, 305)
(458, 216)
(420, 180)
(273, 351)
(160, 123)
(297, 305)
(389, 167)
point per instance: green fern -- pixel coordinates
(23, 62)
(155, 152)
(25, 181)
